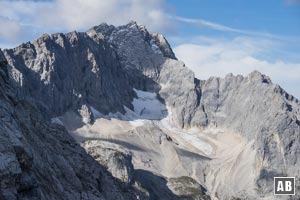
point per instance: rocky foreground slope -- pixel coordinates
(82, 78)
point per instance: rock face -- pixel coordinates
(251, 106)
(65, 72)
(40, 160)
(184, 188)
(117, 161)
(143, 62)
(187, 188)
(99, 69)
(259, 111)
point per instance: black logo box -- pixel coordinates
(284, 181)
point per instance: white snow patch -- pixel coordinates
(147, 106)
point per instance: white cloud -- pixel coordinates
(69, 15)
(82, 14)
(214, 57)
(10, 29)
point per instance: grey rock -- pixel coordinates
(252, 106)
(40, 160)
(63, 72)
(143, 62)
(117, 160)
(259, 111)
(187, 188)
(181, 188)
(179, 91)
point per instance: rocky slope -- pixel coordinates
(40, 160)
(76, 74)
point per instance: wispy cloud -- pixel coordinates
(293, 2)
(204, 23)
(220, 27)
(10, 29)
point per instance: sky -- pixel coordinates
(212, 37)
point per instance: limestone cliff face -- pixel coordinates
(67, 71)
(141, 53)
(98, 68)
(40, 160)
(261, 111)
(251, 106)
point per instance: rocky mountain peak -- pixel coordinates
(133, 30)
(256, 76)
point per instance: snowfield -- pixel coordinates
(147, 106)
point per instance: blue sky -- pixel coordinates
(213, 37)
(272, 16)
(277, 18)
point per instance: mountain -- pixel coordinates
(144, 120)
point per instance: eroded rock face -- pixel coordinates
(117, 160)
(40, 160)
(180, 188)
(261, 112)
(63, 72)
(187, 188)
(251, 106)
(143, 62)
